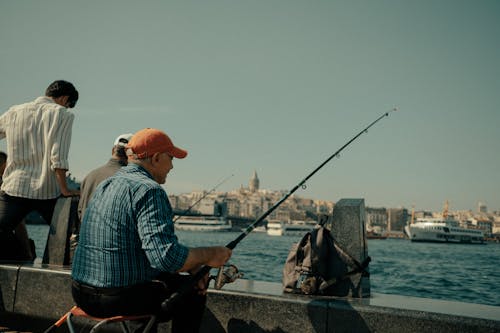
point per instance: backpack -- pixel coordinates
(318, 266)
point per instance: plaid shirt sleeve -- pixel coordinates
(156, 230)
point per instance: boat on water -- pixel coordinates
(260, 228)
(203, 223)
(375, 232)
(442, 230)
(280, 228)
(375, 235)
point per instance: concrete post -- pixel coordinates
(57, 249)
(347, 225)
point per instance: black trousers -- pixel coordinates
(144, 299)
(12, 211)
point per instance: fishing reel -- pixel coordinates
(227, 274)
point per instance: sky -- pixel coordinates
(276, 87)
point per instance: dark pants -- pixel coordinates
(144, 299)
(12, 211)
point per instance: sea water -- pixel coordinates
(467, 273)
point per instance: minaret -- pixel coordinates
(254, 182)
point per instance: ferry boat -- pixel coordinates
(280, 228)
(202, 223)
(442, 230)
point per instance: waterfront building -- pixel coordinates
(252, 202)
(376, 218)
(496, 225)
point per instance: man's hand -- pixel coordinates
(61, 181)
(220, 256)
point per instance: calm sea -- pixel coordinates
(467, 273)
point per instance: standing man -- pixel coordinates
(38, 137)
(90, 182)
(128, 258)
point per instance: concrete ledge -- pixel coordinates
(43, 292)
(242, 312)
(36, 295)
(379, 313)
(8, 281)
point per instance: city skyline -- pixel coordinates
(277, 87)
(480, 207)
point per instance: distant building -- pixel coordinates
(396, 219)
(252, 202)
(253, 185)
(390, 219)
(482, 208)
(496, 226)
(376, 217)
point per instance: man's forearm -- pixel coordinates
(61, 181)
(213, 256)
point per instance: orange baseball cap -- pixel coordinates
(149, 141)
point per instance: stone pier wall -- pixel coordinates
(32, 297)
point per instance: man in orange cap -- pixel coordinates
(128, 256)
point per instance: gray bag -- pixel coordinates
(318, 266)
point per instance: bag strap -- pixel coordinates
(361, 269)
(351, 259)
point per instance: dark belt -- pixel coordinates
(85, 288)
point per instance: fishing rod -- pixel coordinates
(190, 207)
(169, 303)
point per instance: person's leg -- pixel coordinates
(136, 300)
(45, 208)
(12, 212)
(144, 299)
(10, 248)
(188, 312)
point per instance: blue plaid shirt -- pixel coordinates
(127, 234)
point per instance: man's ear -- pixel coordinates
(155, 158)
(61, 100)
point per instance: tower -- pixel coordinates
(254, 182)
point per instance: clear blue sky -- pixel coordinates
(276, 87)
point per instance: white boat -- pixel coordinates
(202, 223)
(279, 228)
(260, 228)
(442, 230)
(275, 228)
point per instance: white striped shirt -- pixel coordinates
(38, 137)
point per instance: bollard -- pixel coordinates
(347, 225)
(57, 249)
